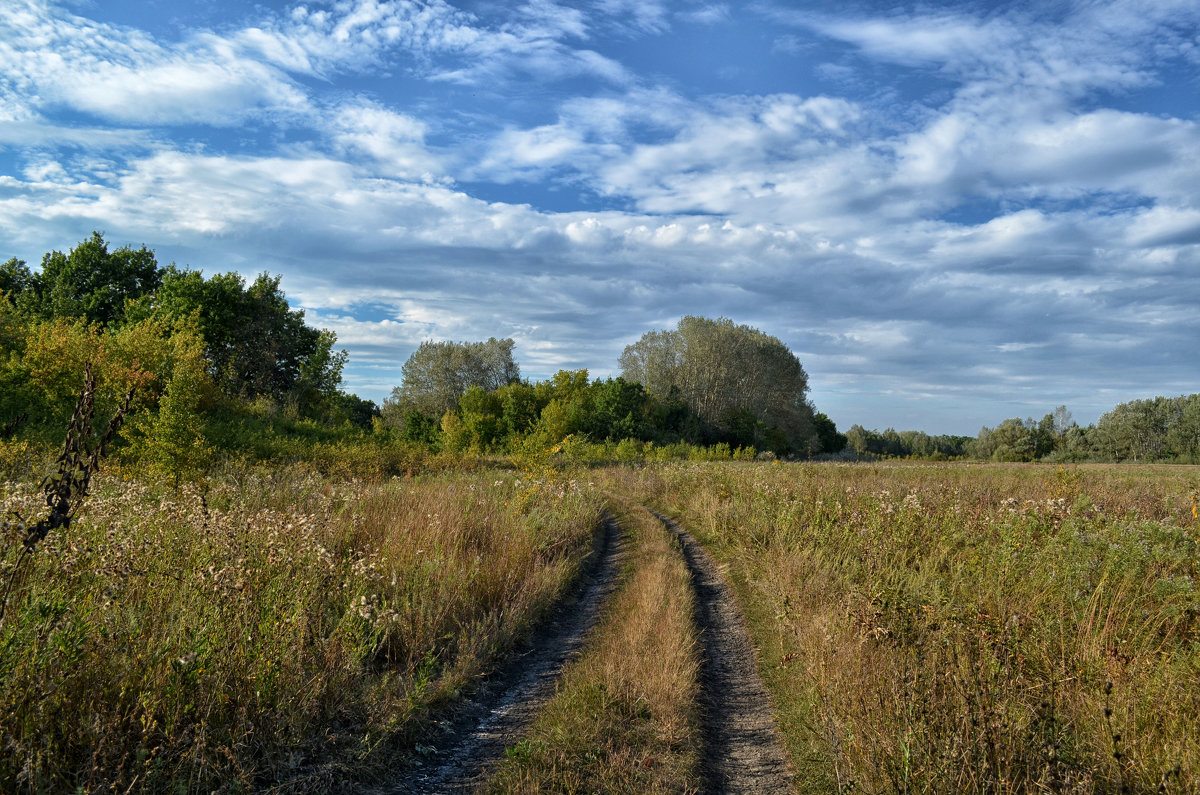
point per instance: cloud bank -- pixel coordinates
(951, 216)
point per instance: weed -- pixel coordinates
(267, 628)
(68, 486)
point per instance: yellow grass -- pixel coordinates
(965, 628)
(624, 719)
(270, 628)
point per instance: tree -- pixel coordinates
(1062, 422)
(732, 377)
(255, 343)
(16, 280)
(92, 282)
(437, 374)
(827, 432)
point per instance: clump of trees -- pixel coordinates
(205, 358)
(705, 383)
(743, 386)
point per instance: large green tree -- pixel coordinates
(744, 383)
(255, 343)
(90, 281)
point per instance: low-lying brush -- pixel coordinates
(965, 628)
(266, 628)
(624, 718)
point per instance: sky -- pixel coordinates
(951, 212)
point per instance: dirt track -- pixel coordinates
(507, 703)
(741, 750)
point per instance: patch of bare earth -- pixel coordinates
(741, 747)
(469, 747)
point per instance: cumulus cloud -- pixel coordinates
(970, 205)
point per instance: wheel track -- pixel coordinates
(506, 704)
(741, 749)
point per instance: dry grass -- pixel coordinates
(966, 628)
(624, 718)
(267, 629)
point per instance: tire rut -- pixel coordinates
(507, 702)
(741, 749)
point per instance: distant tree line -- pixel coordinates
(1163, 429)
(891, 443)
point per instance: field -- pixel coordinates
(951, 627)
(965, 627)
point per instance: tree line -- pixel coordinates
(219, 366)
(706, 382)
(1163, 429)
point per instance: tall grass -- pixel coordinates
(266, 628)
(624, 719)
(966, 628)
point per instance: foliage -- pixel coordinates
(197, 353)
(89, 282)
(1157, 429)
(743, 384)
(904, 444)
(255, 343)
(438, 374)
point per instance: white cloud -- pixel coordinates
(637, 16)
(707, 14)
(394, 142)
(54, 61)
(990, 230)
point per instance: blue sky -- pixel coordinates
(951, 212)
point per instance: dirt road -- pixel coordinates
(742, 752)
(471, 746)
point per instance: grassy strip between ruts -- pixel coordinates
(965, 628)
(625, 716)
(267, 629)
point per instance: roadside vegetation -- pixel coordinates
(965, 628)
(267, 627)
(625, 715)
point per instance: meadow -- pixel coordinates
(964, 628)
(920, 627)
(267, 628)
